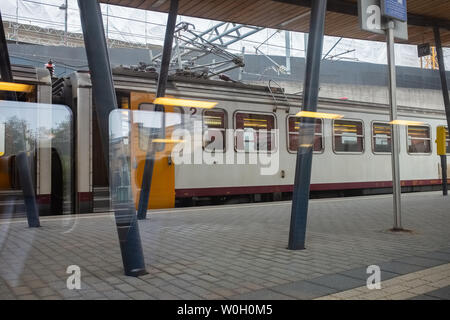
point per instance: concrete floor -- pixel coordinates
(227, 252)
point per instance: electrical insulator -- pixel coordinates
(50, 67)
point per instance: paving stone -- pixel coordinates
(303, 290)
(52, 298)
(445, 257)
(442, 293)
(125, 287)
(139, 295)
(28, 297)
(263, 294)
(115, 295)
(219, 251)
(423, 297)
(361, 274)
(44, 292)
(21, 291)
(399, 267)
(338, 282)
(422, 262)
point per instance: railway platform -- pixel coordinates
(238, 252)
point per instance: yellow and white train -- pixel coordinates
(351, 154)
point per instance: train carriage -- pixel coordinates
(351, 154)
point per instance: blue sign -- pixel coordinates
(394, 9)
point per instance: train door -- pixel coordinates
(162, 191)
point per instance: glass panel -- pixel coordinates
(214, 119)
(418, 132)
(381, 137)
(348, 136)
(254, 132)
(294, 123)
(43, 133)
(214, 122)
(419, 139)
(152, 123)
(348, 128)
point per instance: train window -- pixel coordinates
(215, 123)
(173, 120)
(293, 134)
(254, 132)
(419, 139)
(381, 137)
(348, 136)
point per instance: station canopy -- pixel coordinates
(293, 15)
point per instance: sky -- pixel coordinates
(148, 27)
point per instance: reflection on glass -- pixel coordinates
(254, 131)
(150, 123)
(419, 139)
(381, 137)
(348, 136)
(294, 126)
(214, 122)
(44, 132)
(185, 103)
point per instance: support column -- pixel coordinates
(160, 92)
(105, 101)
(26, 183)
(395, 133)
(300, 196)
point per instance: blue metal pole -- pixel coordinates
(300, 196)
(105, 102)
(160, 92)
(26, 183)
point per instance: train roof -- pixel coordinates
(31, 74)
(365, 99)
(122, 71)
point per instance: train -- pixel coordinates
(351, 152)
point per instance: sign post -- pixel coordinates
(389, 17)
(396, 186)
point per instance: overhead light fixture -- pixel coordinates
(167, 141)
(16, 87)
(185, 103)
(322, 115)
(406, 122)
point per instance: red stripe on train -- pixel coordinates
(224, 191)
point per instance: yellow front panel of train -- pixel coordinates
(162, 190)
